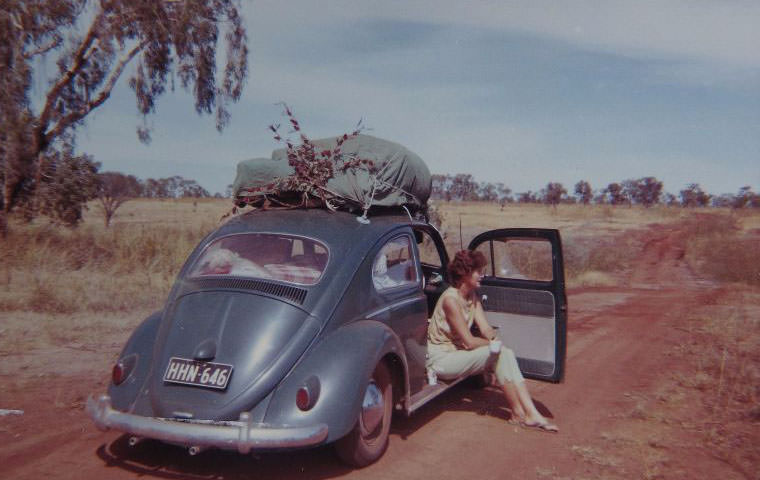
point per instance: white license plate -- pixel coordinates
(200, 374)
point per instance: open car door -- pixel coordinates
(523, 295)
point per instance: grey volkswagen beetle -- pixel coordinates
(289, 329)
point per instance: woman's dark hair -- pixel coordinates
(464, 263)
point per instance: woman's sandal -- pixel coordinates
(541, 426)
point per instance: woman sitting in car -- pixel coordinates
(453, 351)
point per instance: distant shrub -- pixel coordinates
(717, 249)
(598, 261)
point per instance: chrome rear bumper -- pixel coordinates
(242, 435)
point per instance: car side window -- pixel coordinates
(394, 266)
(428, 251)
(518, 258)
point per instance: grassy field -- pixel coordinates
(131, 266)
(84, 289)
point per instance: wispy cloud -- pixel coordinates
(519, 92)
(723, 31)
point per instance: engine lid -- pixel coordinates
(223, 352)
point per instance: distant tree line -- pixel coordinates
(114, 188)
(645, 191)
(67, 182)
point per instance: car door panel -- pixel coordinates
(523, 295)
(526, 324)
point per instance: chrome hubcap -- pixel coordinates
(373, 409)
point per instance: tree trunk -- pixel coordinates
(3, 224)
(7, 198)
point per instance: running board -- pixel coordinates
(429, 392)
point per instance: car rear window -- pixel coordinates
(264, 255)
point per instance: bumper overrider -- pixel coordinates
(242, 435)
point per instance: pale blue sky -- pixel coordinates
(517, 92)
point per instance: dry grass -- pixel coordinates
(80, 288)
(705, 412)
(132, 265)
(597, 248)
(719, 248)
(724, 343)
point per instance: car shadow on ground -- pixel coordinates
(155, 459)
(465, 397)
(159, 460)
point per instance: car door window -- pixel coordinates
(429, 254)
(394, 266)
(518, 258)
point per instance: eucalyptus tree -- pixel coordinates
(113, 190)
(92, 45)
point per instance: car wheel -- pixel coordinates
(368, 439)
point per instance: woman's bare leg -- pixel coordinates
(531, 412)
(513, 400)
(522, 405)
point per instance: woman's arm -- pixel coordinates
(486, 330)
(458, 325)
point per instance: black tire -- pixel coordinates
(360, 448)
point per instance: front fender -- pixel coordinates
(343, 363)
(140, 344)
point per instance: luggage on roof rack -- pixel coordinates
(399, 178)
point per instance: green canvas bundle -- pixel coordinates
(400, 177)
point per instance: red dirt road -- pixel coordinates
(619, 411)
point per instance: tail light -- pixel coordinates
(117, 374)
(123, 368)
(307, 394)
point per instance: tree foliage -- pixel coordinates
(584, 192)
(92, 44)
(614, 194)
(440, 187)
(487, 192)
(314, 164)
(114, 189)
(644, 191)
(527, 197)
(746, 198)
(464, 187)
(694, 196)
(173, 187)
(554, 193)
(67, 183)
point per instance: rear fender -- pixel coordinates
(342, 363)
(140, 344)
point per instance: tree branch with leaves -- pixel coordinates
(313, 166)
(159, 39)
